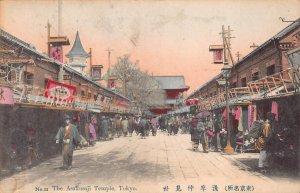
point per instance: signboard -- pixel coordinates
(96, 72)
(60, 91)
(67, 77)
(111, 84)
(57, 53)
(218, 56)
(217, 53)
(6, 96)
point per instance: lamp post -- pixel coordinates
(226, 72)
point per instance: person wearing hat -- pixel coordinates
(68, 136)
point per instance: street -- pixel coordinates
(159, 163)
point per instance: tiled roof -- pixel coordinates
(30, 48)
(204, 85)
(279, 35)
(171, 82)
(77, 49)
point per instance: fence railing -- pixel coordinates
(280, 84)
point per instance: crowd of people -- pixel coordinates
(274, 145)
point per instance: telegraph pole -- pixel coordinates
(59, 17)
(253, 46)
(108, 71)
(238, 55)
(48, 34)
(227, 45)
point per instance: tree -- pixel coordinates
(125, 71)
(144, 89)
(137, 85)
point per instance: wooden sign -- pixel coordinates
(67, 77)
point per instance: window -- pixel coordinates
(233, 85)
(89, 95)
(244, 82)
(271, 70)
(255, 76)
(95, 97)
(28, 78)
(82, 93)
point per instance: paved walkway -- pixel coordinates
(155, 165)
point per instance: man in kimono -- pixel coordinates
(202, 135)
(195, 133)
(68, 135)
(262, 144)
(143, 127)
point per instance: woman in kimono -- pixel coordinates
(92, 130)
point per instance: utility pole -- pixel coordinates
(108, 71)
(90, 66)
(226, 70)
(225, 45)
(226, 35)
(48, 37)
(238, 55)
(59, 17)
(253, 46)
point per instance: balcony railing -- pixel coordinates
(284, 83)
(28, 94)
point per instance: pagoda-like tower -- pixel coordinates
(78, 56)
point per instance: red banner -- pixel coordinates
(111, 83)
(191, 102)
(60, 91)
(6, 96)
(57, 53)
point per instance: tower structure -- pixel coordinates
(78, 56)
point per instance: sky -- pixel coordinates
(165, 37)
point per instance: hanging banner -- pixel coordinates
(59, 91)
(191, 102)
(96, 72)
(57, 53)
(6, 96)
(111, 84)
(217, 53)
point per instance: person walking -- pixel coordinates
(203, 136)
(262, 144)
(195, 133)
(125, 126)
(155, 125)
(92, 130)
(68, 136)
(143, 127)
(131, 126)
(105, 127)
(118, 125)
